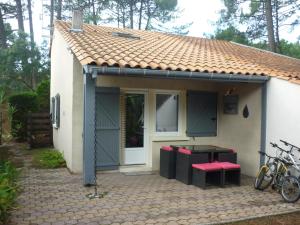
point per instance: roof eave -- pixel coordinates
(149, 73)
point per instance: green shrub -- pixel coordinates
(8, 189)
(48, 158)
(43, 96)
(21, 104)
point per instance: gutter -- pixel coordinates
(149, 73)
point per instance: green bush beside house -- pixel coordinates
(8, 189)
(19, 107)
(23, 103)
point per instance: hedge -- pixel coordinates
(43, 96)
(20, 105)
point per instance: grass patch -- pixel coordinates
(48, 159)
(8, 188)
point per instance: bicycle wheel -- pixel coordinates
(290, 190)
(265, 176)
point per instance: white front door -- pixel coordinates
(135, 138)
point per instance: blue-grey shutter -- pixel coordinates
(107, 127)
(52, 109)
(57, 108)
(201, 113)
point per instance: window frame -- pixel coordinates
(54, 116)
(179, 113)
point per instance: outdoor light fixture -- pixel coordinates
(246, 112)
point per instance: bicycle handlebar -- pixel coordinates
(263, 153)
(274, 145)
(287, 143)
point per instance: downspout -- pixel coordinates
(88, 135)
(263, 122)
(149, 73)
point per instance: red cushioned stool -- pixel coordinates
(185, 159)
(207, 173)
(231, 173)
(167, 162)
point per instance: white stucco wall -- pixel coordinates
(67, 81)
(283, 113)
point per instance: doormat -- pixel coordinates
(139, 173)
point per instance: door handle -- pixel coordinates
(213, 119)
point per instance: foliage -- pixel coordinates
(290, 49)
(43, 96)
(262, 19)
(48, 158)
(22, 104)
(2, 95)
(231, 34)
(21, 64)
(8, 188)
(138, 14)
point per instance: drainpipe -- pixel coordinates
(149, 73)
(263, 121)
(89, 130)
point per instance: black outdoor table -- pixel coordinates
(214, 151)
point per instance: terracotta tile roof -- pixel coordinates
(153, 50)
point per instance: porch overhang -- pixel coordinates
(149, 73)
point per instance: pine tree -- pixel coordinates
(264, 19)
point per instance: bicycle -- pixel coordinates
(275, 172)
(290, 185)
(265, 176)
(273, 168)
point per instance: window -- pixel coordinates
(166, 112)
(55, 111)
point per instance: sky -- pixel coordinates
(201, 13)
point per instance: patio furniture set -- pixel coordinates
(200, 165)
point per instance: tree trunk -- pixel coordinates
(277, 26)
(3, 43)
(30, 23)
(51, 21)
(94, 13)
(270, 25)
(123, 19)
(33, 77)
(140, 15)
(20, 15)
(118, 13)
(59, 7)
(131, 13)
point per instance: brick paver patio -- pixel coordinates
(58, 197)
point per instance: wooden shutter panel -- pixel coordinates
(57, 108)
(201, 114)
(107, 127)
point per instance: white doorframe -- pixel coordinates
(129, 152)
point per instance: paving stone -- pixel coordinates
(58, 197)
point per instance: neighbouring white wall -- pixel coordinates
(67, 81)
(234, 131)
(77, 119)
(283, 113)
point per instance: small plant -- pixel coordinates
(48, 158)
(8, 189)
